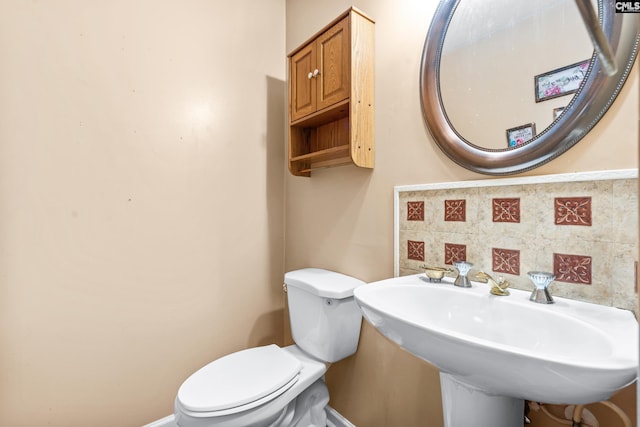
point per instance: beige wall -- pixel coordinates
(342, 218)
(141, 200)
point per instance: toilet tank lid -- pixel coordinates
(324, 283)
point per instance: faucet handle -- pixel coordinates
(463, 268)
(541, 280)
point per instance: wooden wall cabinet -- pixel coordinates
(331, 108)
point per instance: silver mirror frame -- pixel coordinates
(587, 107)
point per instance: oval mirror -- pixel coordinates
(508, 85)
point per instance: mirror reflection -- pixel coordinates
(491, 55)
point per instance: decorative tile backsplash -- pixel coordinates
(455, 210)
(506, 210)
(582, 227)
(573, 210)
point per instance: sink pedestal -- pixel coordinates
(467, 406)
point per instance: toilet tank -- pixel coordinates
(325, 318)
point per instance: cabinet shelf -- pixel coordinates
(333, 153)
(329, 114)
(331, 85)
(336, 156)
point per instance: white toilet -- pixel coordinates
(273, 386)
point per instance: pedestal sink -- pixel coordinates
(493, 352)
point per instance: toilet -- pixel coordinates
(280, 386)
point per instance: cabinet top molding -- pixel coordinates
(352, 9)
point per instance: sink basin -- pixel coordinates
(500, 350)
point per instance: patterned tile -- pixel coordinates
(572, 268)
(505, 261)
(415, 211)
(590, 236)
(455, 210)
(454, 252)
(415, 250)
(572, 211)
(506, 210)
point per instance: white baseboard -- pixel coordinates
(334, 419)
(168, 421)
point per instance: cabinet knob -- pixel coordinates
(310, 76)
(316, 72)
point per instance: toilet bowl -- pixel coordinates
(274, 386)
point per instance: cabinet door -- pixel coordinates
(303, 87)
(334, 55)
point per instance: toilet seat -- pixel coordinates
(240, 381)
